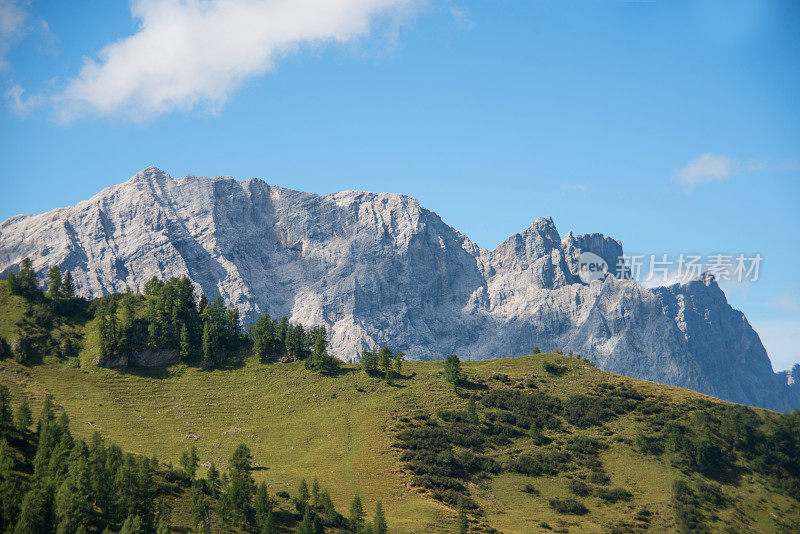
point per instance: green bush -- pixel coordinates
(568, 506)
(579, 487)
(613, 495)
(555, 369)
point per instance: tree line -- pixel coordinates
(168, 315)
(70, 486)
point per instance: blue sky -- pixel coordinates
(672, 126)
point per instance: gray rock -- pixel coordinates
(377, 268)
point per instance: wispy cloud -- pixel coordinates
(717, 168)
(461, 17)
(192, 53)
(705, 168)
(14, 18)
(577, 187)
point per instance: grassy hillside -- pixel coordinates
(544, 443)
(342, 430)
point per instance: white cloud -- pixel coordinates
(19, 103)
(461, 17)
(190, 53)
(13, 26)
(706, 168)
(717, 168)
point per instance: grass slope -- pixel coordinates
(342, 430)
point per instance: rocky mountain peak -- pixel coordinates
(378, 268)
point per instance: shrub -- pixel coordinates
(599, 477)
(555, 369)
(613, 495)
(568, 506)
(579, 487)
(648, 444)
(529, 489)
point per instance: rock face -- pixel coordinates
(379, 268)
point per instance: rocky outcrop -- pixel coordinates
(379, 268)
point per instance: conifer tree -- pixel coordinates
(452, 369)
(26, 279)
(132, 525)
(189, 461)
(385, 360)
(263, 510)
(241, 486)
(315, 492)
(307, 526)
(369, 361)
(36, 510)
(379, 523)
(399, 358)
(302, 491)
(208, 343)
(202, 303)
(9, 486)
(68, 286)
(212, 477)
(357, 514)
(6, 420)
(54, 282)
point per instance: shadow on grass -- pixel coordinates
(339, 371)
(160, 373)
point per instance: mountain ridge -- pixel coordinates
(379, 268)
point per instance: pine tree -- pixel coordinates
(241, 487)
(357, 514)
(13, 285)
(68, 286)
(452, 369)
(36, 511)
(281, 331)
(307, 526)
(9, 487)
(48, 414)
(202, 303)
(208, 343)
(399, 357)
(302, 491)
(263, 508)
(54, 282)
(369, 361)
(6, 420)
(189, 461)
(315, 492)
(385, 360)
(212, 477)
(26, 279)
(132, 525)
(379, 523)
(200, 505)
(126, 320)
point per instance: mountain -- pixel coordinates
(379, 268)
